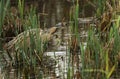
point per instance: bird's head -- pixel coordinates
(57, 28)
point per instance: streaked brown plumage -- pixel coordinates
(27, 41)
(25, 37)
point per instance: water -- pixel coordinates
(52, 12)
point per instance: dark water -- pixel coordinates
(53, 11)
(59, 10)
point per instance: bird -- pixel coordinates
(45, 36)
(24, 40)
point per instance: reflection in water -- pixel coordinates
(59, 10)
(51, 13)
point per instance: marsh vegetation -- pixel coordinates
(59, 39)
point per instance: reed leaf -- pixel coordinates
(111, 71)
(21, 8)
(118, 22)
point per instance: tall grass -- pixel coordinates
(3, 9)
(99, 59)
(74, 42)
(32, 54)
(21, 8)
(28, 51)
(100, 7)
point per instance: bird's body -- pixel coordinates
(28, 46)
(24, 37)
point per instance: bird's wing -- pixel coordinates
(19, 38)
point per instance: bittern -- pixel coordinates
(44, 35)
(24, 39)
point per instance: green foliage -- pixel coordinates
(3, 9)
(100, 7)
(99, 59)
(21, 8)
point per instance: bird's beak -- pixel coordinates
(53, 30)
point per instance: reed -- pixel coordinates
(98, 60)
(3, 9)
